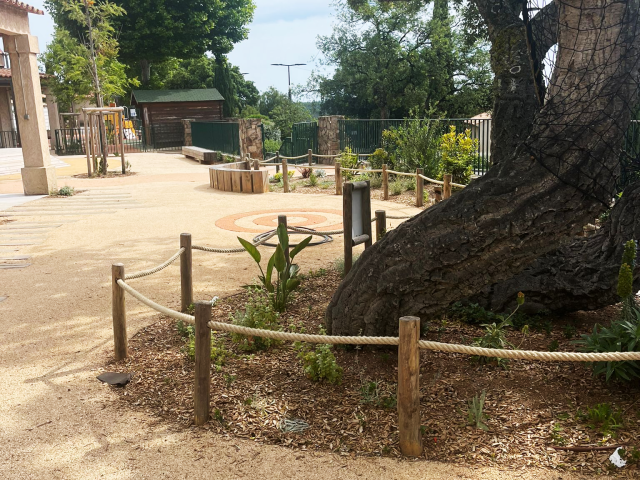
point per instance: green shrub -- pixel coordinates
(458, 152)
(622, 335)
(65, 191)
(375, 180)
(371, 393)
(320, 363)
(313, 180)
(414, 144)
(278, 176)
(272, 145)
(258, 313)
(286, 281)
(218, 352)
(320, 173)
(602, 418)
(475, 413)
(396, 187)
(185, 330)
(348, 159)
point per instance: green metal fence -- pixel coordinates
(219, 136)
(304, 136)
(165, 136)
(365, 136)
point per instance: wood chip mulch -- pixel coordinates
(112, 174)
(531, 406)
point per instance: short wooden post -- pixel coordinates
(285, 176)
(282, 220)
(118, 312)
(409, 387)
(381, 224)
(385, 182)
(446, 188)
(438, 194)
(419, 188)
(310, 155)
(122, 160)
(338, 176)
(203, 363)
(256, 163)
(347, 225)
(186, 273)
(86, 142)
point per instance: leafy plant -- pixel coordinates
(305, 172)
(258, 313)
(320, 363)
(554, 345)
(287, 280)
(348, 159)
(396, 187)
(313, 180)
(320, 173)
(495, 336)
(278, 176)
(622, 335)
(65, 191)
(458, 152)
(185, 330)
(218, 352)
(475, 412)
(602, 418)
(272, 145)
(569, 331)
(372, 393)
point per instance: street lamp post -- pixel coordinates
(288, 65)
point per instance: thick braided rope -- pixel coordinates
(437, 182)
(436, 346)
(157, 307)
(294, 158)
(402, 174)
(232, 250)
(315, 232)
(151, 271)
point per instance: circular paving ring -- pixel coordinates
(310, 231)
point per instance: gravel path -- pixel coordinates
(56, 420)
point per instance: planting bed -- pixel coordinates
(531, 407)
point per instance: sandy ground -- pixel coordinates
(56, 420)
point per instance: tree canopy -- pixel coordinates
(393, 56)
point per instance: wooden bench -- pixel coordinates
(238, 177)
(203, 155)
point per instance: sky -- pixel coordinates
(282, 31)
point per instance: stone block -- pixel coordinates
(39, 180)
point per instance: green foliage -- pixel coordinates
(554, 345)
(272, 145)
(258, 313)
(392, 56)
(282, 111)
(621, 336)
(414, 144)
(65, 191)
(286, 280)
(320, 363)
(402, 184)
(602, 418)
(458, 153)
(218, 351)
(86, 63)
(278, 176)
(495, 336)
(625, 281)
(375, 179)
(313, 180)
(475, 412)
(185, 330)
(338, 264)
(372, 393)
(348, 159)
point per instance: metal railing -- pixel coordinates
(217, 136)
(9, 139)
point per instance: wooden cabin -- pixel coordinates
(172, 106)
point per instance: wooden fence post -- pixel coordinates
(118, 312)
(87, 143)
(285, 176)
(186, 273)
(282, 220)
(385, 183)
(381, 224)
(419, 188)
(122, 160)
(338, 175)
(347, 225)
(409, 387)
(446, 188)
(438, 194)
(203, 363)
(310, 154)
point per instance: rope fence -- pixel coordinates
(408, 340)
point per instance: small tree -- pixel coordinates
(91, 66)
(458, 154)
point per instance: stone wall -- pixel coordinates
(250, 137)
(188, 139)
(329, 136)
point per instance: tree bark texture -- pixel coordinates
(515, 100)
(524, 207)
(580, 275)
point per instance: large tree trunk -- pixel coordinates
(515, 101)
(526, 206)
(581, 275)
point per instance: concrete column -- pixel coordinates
(38, 176)
(54, 114)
